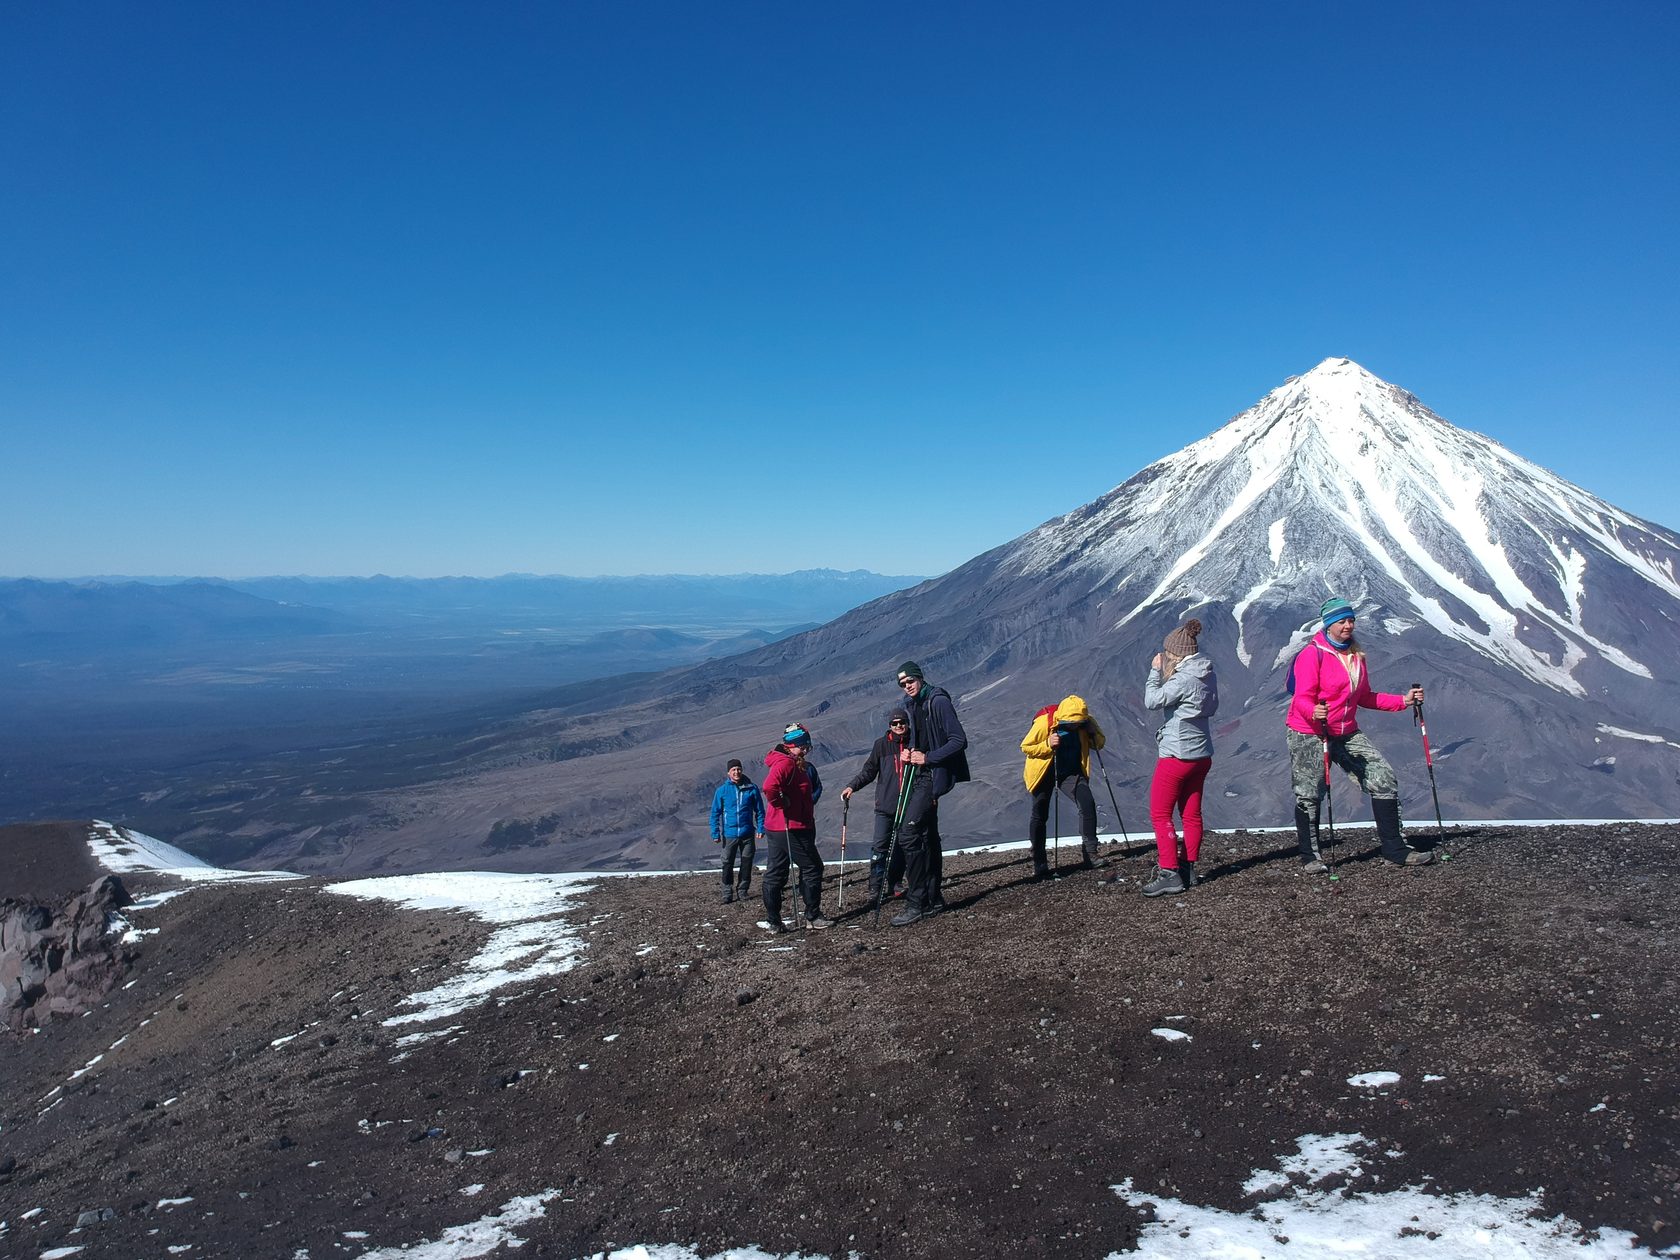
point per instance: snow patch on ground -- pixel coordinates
(122, 851)
(1374, 1080)
(534, 941)
(480, 1237)
(1297, 1215)
(1621, 733)
(1293, 1212)
(964, 699)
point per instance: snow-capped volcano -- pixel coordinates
(1338, 482)
(1543, 622)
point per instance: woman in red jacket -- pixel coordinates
(790, 827)
(1330, 686)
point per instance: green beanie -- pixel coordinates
(1335, 609)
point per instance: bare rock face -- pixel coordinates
(59, 960)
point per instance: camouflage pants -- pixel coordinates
(1353, 753)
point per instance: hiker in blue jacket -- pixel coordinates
(737, 825)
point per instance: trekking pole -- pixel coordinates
(1429, 760)
(798, 893)
(892, 842)
(1329, 797)
(845, 806)
(1056, 808)
(1125, 839)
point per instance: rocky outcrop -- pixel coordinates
(59, 960)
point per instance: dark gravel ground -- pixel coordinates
(971, 1086)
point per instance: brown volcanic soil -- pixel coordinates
(969, 1086)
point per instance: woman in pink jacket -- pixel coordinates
(1330, 687)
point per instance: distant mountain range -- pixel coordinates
(161, 695)
(125, 612)
(1544, 621)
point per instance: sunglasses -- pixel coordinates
(905, 682)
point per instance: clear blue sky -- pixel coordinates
(711, 287)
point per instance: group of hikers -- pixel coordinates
(923, 755)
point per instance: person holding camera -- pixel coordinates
(1181, 683)
(1058, 747)
(884, 768)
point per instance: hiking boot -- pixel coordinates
(1416, 857)
(728, 895)
(1385, 812)
(774, 926)
(1187, 872)
(907, 916)
(1306, 835)
(1041, 870)
(1166, 883)
(1314, 867)
(742, 890)
(817, 921)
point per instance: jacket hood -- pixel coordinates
(1197, 666)
(1072, 710)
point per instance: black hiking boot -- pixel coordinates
(1166, 883)
(1385, 811)
(742, 890)
(905, 917)
(774, 926)
(1306, 837)
(728, 894)
(816, 920)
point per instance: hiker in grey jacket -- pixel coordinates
(1182, 685)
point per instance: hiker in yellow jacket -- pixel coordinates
(1058, 747)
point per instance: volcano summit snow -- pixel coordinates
(1341, 482)
(1544, 622)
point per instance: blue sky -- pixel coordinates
(678, 287)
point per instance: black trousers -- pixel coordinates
(878, 854)
(924, 856)
(1077, 789)
(741, 850)
(801, 846)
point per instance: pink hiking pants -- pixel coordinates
(1177, 783)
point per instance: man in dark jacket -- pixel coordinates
(935, 762)
(884, 769)
(737, 823)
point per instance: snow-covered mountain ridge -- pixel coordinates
(1337, 466)
(1543, 622)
